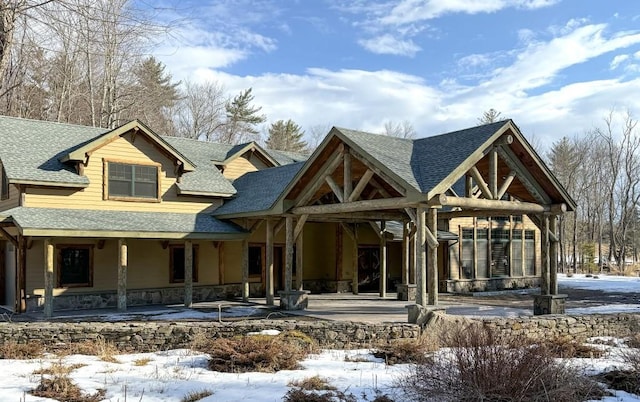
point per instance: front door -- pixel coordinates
(368, 269)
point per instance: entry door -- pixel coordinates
(368, 269)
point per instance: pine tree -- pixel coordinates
(242, 119)
(286, 136)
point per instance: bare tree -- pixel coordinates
(200, 113)
(490, 116)
(315, 135)
(402, 129)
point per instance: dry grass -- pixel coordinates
(299, 395)
(407, 350)
(315, 383)
(196, 395)
(105, 350)
(260, 353)
(566, 347)
(21, 351)
(56, 384)
(480, 366)
(142, 362)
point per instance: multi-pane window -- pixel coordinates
(75, 266)
(529, 253)
(482, 251)
(135, 181)
(516, 253)
(176, 268)
(466, 259)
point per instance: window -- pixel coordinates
(516, 253)
(482, 245)
(132, 181)
(499, 252)
(529, 252)
(176, 264)
(75, 266)
(255, 260)
(467, 254)
(4, 186)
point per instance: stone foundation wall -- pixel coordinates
(152, 336)
(490, 284)
(142, 297)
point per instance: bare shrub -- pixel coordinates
(261, 353)
(56, 384)
(407, 350)
(21, 351)
(566, 347)
(626, 380)
(101, 348)
(299, 395)
(480, 366)
(196, 395)
(315, 383)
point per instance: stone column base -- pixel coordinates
(406, 292)
(294, 299)
(548, 304)
(418, 314)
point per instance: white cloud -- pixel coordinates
(619, 59)
(387, 44)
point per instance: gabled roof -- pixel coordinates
(31, 151)
(257, 191)
(99, 223)
(79, 153)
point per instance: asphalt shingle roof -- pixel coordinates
(119, 221)
(423, 163)
(30, 149)
(257, 191)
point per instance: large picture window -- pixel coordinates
(75, 266)
(132, 181)
(176, 268)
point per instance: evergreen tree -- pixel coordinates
(286, 136)
(242, 119)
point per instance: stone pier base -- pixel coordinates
(549, 304)
(418, 314)
(406, 292)
(294, 299)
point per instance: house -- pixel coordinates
(93, 218)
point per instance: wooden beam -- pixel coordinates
(288, 270)
(245, 270)
(477, 177)
(379, 172)
(359, 216)
(553, 256)
(379, 187)
(348, 183)
(362, 183)
(544, 248)
(270, 293)
(505, 184)
(383, 261)
(493, 173)
(376, 229)
(355, 206)
(524, 176)
(278, 227)
(468, 186)
(122, 274)
(517, 207)
(335, 188)
(7, 236)
(432, 258)
(188, 273)
(318, 179)
(299, 226)
(421, 268)
(49, 253)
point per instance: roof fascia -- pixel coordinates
(204, 193)
(249, 147)
(80, 153)
(49, 183)
(36, 232)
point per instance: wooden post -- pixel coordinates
(122, 274)
(347, 184)
(288, 266)
(493, 173)
(188, 273)
(354, 261)
(48, 278)
(339, 262)
(245, 270)
(383, 260)
(21, 273)
(553, 256)
(432, 259)
(405, 253)
(544, 237)
(421, 272)
(269, 263)
(300, 262)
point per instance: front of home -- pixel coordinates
(93, 218)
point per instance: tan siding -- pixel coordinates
(238, 167)
(122, 149)
(13, 200)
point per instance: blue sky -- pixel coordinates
(556, 67)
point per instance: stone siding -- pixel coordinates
(489, 284)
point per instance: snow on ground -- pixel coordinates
(605, 283)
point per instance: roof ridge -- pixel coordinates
(375, 134)
(58, 123)
(501, 122)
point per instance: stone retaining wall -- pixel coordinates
(151, 336)
(156, 335)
